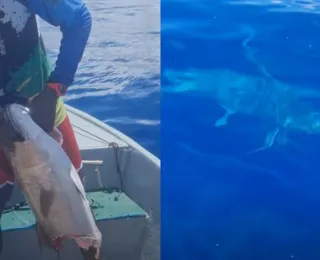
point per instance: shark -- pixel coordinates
(260, 95)
(263, 97)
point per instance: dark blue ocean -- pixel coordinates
(238, 76)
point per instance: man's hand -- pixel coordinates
(57, 136)
(43, 108)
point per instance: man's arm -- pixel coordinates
(74, 20)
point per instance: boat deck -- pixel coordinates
(105, 206)
(115, 215)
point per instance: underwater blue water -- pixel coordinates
(261, 60)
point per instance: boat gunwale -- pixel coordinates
(112, 131)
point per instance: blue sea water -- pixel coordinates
(260, 58)
(118, 80)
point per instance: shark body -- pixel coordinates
(262, 97)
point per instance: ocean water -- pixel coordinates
(118, 80)
(222, 198)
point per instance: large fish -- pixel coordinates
(289, 107)
(51, 184)
(262, 96)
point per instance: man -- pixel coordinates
(25, 68)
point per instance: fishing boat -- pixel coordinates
(122, 181)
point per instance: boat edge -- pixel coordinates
(126, 139)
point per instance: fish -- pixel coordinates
(50, 183)
(260, 95)
(264, 97)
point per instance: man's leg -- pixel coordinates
(70, 144)
(6, 187)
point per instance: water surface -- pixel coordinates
(118, 80)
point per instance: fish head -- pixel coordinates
(232, 90)
(207, 81)
(191, 80)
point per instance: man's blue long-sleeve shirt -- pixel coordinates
(74, 20)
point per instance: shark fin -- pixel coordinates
(269, 141)
(223, 120)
